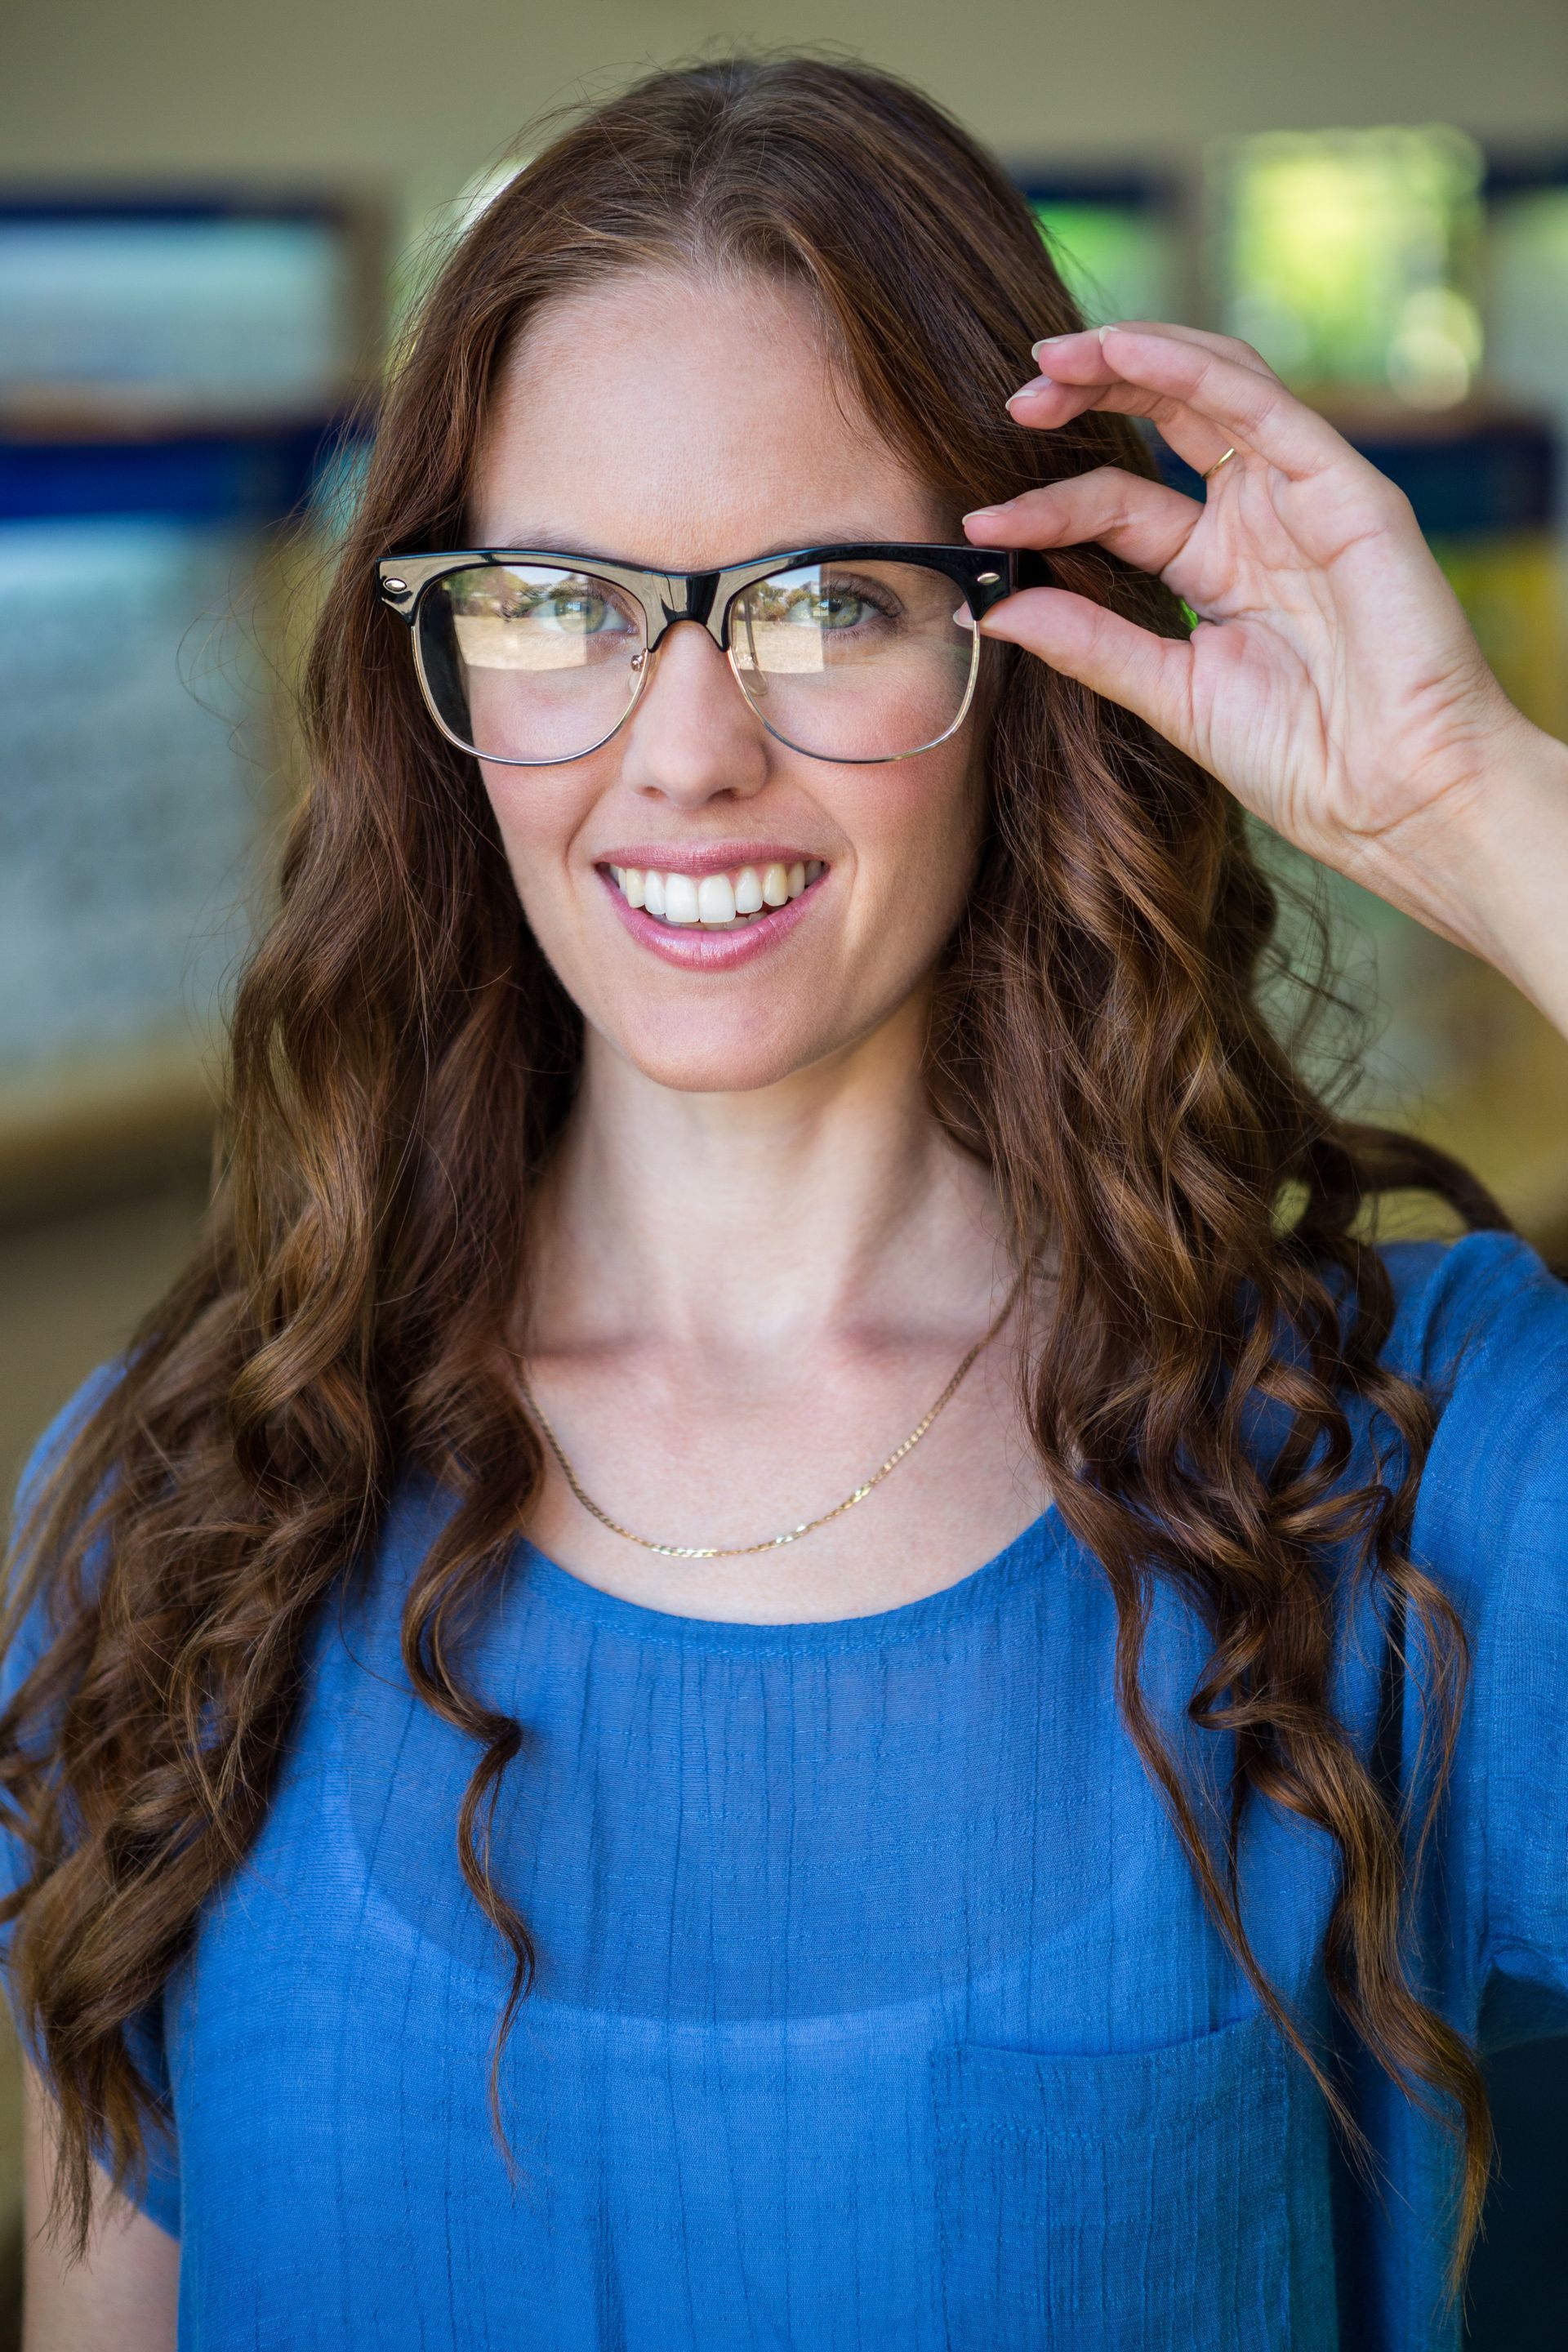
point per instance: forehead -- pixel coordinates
(686, 421)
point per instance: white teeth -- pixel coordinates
(679, 899)
(715, 900)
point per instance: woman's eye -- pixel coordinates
(841, 610)
(575, 612)
(833, 608)
(578, 612)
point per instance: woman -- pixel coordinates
(528, 1837)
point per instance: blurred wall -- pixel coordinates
(415, 95)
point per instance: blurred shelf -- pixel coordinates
(100, 1126)
(97, 460)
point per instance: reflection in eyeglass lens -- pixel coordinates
(862, 661)
(531, 662)
(505, 618)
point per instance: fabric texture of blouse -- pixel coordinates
(877, 2007)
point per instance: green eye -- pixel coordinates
(840, 608)
(577, 609)
(828, 609)
(563, 607)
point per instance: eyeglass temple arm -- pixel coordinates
(1030, 569)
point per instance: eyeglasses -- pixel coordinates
(851, 653)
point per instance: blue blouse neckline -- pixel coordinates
(558, 1587)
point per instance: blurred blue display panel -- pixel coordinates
(174, 311)
(198, 476)
(127, 812)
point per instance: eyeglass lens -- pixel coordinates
(861, 660)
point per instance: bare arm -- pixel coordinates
(124, 2297)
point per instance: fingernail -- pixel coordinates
(981, 514)
(1112, 327)
(1036, 384)
(1045, 342)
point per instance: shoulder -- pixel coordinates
(1483, 1324)
(51, 1449)
(1488, 1301)
(24, 1643)
(1485, 1321)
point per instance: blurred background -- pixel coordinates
(211, 220)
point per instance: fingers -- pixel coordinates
(1042, 403)
(1112, 656)
(1228, 347)
(1143, 523)
(1191, 386)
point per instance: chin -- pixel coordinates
(722, 1057)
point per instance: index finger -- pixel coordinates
(1206, 339)
(1248, 406)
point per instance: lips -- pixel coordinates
(713, 927)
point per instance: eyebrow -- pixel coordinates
(548, 543)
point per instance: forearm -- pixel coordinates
(1492, 871)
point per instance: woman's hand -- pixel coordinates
(1333, 682)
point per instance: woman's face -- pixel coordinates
(687, 423)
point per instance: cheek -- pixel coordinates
(537, 813)
(918, 837)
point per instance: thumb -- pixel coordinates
(1110, 655)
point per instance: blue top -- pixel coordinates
(877, 2010)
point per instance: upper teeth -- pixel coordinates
(714, 899)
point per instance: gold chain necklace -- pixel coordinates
(794, 1535)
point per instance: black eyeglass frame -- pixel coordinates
(985, 575)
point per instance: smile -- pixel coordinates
(718, 917)
(717, 902)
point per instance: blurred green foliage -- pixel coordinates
(1349, 258)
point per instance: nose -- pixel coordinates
(693, 736)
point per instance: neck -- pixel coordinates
(831, 1200)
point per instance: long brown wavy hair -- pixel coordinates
(403, 1058)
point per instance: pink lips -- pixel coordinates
(695, 949)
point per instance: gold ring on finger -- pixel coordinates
(1210, 471)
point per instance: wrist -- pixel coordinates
(1489, 868)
